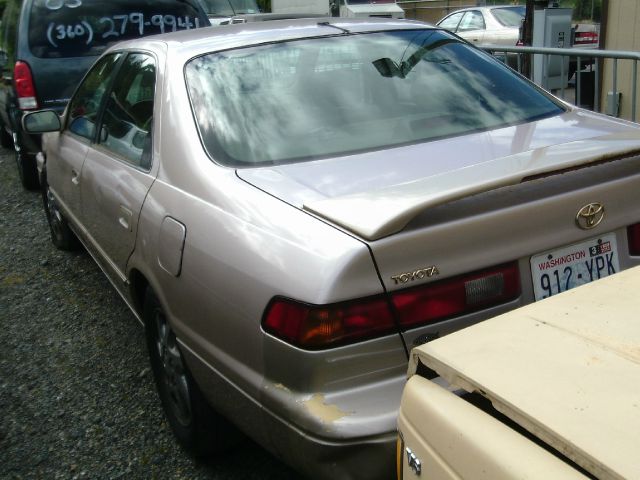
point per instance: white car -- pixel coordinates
(499, 25)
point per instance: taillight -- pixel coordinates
(633, 234)
(463, 294)
(585, 38)
(324, 326)
(25, 88)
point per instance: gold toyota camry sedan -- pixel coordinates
(290, 206)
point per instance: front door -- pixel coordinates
(65, 160)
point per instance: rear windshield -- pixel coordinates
(366, 2)
(331, 96)
(509, 16)
(230, 7)
(77, 28)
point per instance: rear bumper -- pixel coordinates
(366, 458)
(351, 437)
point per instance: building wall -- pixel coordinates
(622, 32)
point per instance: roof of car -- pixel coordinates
(488, 7)
(215, 38)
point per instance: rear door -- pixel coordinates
(117, 171)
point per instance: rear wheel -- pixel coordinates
(199, 429)
(61, 235)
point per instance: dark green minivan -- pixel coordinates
(46, 46)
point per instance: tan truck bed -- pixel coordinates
(565, 368)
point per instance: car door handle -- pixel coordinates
(124, 218)
(75, 178)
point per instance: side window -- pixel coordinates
(85, 104)
(471, 21)
(451, 22)
(126, 123)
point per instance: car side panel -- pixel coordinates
(112, 193)
(65, 158)
(242, 248)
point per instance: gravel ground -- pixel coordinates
(77, 398)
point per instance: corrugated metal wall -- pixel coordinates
(622, 32)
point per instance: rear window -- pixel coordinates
(509, 16)
(76, 28)
(331, 96)
(366, 2)
(230, 7)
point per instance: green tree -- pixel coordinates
(584, 9)
(265, 5)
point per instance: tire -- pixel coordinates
(27, 169)
(198, 428)
(61, 235)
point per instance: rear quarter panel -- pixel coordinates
(242, 248)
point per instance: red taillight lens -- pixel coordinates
(458, 295)
(633, 234)
(325, 326)
(25, 88)
(585, 38)
(313, 327)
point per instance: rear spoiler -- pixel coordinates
(379, 213)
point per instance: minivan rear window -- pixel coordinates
(78, 28)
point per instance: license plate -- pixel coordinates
(559, 270)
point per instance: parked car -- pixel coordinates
(225, 12)
(499, 25)
(46, 46)
(584, 36)
(312, 199)
(549, 390)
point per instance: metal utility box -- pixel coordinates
(552, 29)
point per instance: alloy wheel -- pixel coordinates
(174, 372)
(56, 222)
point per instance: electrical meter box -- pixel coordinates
(552, 29)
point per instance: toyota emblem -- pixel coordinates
(590, 216)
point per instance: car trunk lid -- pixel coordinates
(464, 226)
(375, 195)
